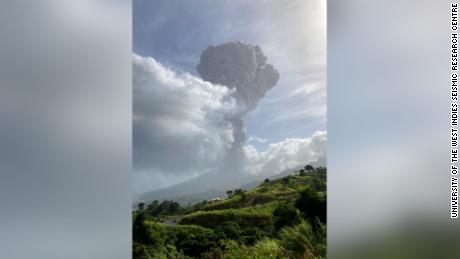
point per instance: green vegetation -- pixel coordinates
(281, 218)
(156, 209)
(253, 216)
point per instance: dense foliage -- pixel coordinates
(282, 218)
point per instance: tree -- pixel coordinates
(312, 205)
(140, 232)
(309, 168)
(286, 179)
(322, 171)
(238, 191)
(266, 180)
(302, 172)
(229, 193)
(153, 205)
(228, 230)
(141, 205)
(165, 208)
(318, 185)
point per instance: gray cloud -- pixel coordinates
(241, 67)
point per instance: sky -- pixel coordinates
(291, 34)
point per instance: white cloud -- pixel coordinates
(307, 102)
(179, 121)
(315, 112)
(312, 90)
(287, 154)
(257, 139)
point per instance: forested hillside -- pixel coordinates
(282, 218)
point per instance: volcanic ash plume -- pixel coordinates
(241, 67)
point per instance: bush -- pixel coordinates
(318, 185)
(140, 233)
(302, 241)
(242, 217)
(192, 240)
(189, 240)
(228, 230)
(286, 179)
(141, 251)
(312, 205)
(266, 248)
(285, 215)
(242, 201)
(251, 235)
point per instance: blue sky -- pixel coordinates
(292, 35)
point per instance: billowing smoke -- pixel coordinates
(185, 126)
(242, 68)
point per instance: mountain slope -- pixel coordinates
(203, 187)
(209, 186)
(281, 218)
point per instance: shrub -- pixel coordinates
(141, 205)
(139, 229)
(285, 215)
(229, 193)
(193, 240)
(242, 201)
(286, 179)
(266, 248)
(312, 205)
(228, 230)
(141, 251)
(318, 185)
(242, 217)
(302, 241)
(189, 240)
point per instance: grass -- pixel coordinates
(276, 190)
(259, 215)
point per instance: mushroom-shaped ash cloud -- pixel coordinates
(241, 67)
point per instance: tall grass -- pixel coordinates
(302, 241)
(256, 216)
